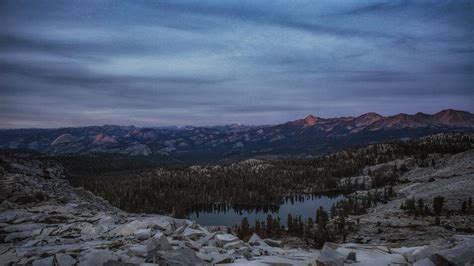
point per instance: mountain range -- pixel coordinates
(306, 137)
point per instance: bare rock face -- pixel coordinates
(104, 139)
(63, 139)
(64, 260)
(310, 121)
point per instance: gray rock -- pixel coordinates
(158, 242)
(330, 257)
(137, 251)
(22, 227)
(222, 239)
(351, 256)
(142, 234)
(424, 262)
(49, 261)
(162, 223)
(129, 228)
(222, 258)
(192, 244)
(459, 254)
(204, 241)
(209, 250)
(21, 235)
(183, 256)
(440, 260)
(9, 257)
(234, 245)
(204, 256)
(118, 263)
(193, 234)
(64, 260)
(273, 243)
(255, 240)
(97, 258)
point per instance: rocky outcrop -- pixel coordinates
(45, 221)
(104, 139)
(64, 139)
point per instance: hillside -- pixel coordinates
(45, 221)
(302, 138)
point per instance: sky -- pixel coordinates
(161, 63)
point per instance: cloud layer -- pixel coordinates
(157, 63)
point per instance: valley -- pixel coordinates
(44, 219)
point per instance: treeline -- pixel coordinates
(324, 227)
(180, 189)
(315, 232)
(420, 208)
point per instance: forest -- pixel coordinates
(179, 189)
(315, 232)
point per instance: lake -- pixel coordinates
(304, 205)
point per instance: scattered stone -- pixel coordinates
(222, 239)
(222, 258)
(129, 228)
(273, 243)
(351, 256)
(9, 257)
(142, 234)
(97, 258)
(158, 242)
(424, 262)
(137, 251)
(183, 256)
(255, 240)
(22, 227)
(330, 257)
(192, 244)
(193, 234)
(204, 256)
(64, 260)
(234, 245)
(118, 263)
(49, 261)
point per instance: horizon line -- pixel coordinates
(229, 124)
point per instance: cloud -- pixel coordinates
(209, 62)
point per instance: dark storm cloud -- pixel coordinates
(66, 63)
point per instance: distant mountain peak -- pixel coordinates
(64, 139)
(452, 117)
(367, 119)
(371, 114)
(103, 138)
(310, 120)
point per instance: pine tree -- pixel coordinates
(269, 224)
(290, 222)
(438, 205)
(244, 227)
(321, 217)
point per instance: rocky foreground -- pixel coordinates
(45, 221)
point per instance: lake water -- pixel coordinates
(305, 205)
